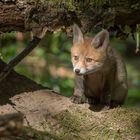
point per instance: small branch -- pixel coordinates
(137, 39)
(19, 57)
(38, 33)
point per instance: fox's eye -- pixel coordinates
(89, 60)
(76, 57)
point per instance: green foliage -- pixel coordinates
(51, 59)
(51, 52)
(134, 97)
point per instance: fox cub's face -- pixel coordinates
(88, 54)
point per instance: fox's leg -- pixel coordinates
(93, 100)
(105, 99)
(121, 88)
(115, 97)
(79, 90)
(106, 93)
(119, 95)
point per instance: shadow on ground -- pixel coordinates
(15, 84)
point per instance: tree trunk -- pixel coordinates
(6, 86)
(48, 115)
(24, 15)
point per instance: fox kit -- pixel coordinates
(100, 72)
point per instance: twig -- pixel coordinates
(19, 57)
(137, 39)
(38, 33)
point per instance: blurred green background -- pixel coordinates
(49, 64)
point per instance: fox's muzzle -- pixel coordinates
(81, 71)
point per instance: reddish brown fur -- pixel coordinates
(87, 50)
(108, 82)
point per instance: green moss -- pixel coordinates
(78, 5)
(29, 133)
(80, 123)
(120, 123)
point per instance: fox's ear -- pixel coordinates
(77, 34)
(101, 39)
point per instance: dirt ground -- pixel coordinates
(50, 116)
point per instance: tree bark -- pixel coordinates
(14, 84)
(48, 115)
(24, 15)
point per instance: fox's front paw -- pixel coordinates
(78, 99)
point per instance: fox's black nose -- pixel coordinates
(77, 71)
